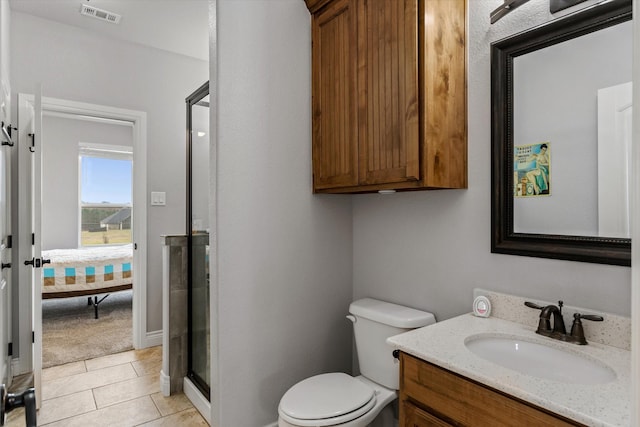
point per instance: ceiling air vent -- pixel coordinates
(100, 14)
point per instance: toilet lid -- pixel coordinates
(327, 396)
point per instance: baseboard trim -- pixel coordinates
(193, 394)
(165, 384)
(8, 379)
(152, 339)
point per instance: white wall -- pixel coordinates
(60, 170)
(283, 254)
(82, 66)
(556, 101)
(430, 249)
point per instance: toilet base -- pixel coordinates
(386, 418)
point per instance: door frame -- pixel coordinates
(86, 111)
(6, 371)
(635, 230)
(615, 109)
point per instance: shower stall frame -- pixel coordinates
(200, 383)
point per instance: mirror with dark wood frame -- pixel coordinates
(511, 234)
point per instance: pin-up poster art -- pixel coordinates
(532, 170)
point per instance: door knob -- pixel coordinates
(37, 262)
(11, 401)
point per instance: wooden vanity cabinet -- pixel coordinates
(388, 95)
(433, 397)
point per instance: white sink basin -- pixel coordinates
(539, 360)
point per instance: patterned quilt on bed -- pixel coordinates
(87, 268)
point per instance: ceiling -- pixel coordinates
(179, 26)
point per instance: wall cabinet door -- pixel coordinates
(388, 107)
(334, 101)
(443, 93)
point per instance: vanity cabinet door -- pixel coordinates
(416, 417)
(334, 100)
(463, 402)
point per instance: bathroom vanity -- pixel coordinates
(444, 381)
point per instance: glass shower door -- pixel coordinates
(198, 237)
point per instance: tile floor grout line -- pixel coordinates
(137, 375)
(92, 388)
(122, 401)
(157, 409)
(95, 402)
(156, 405)
(94, 371)
(71, 416)
(66, 418)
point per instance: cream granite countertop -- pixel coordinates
(594, 405)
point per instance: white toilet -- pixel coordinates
(338, 399)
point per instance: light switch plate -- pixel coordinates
(158, 198)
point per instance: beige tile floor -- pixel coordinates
(117, 390)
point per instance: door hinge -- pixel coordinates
(33, 337)
(33, 239)
(6, 132)
(10, 349)
(33, 142)
(9, 241)
(135, 246)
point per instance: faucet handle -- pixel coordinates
(533, 305)
(591, 317)
(577, 332)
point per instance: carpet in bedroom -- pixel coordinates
(70, 333)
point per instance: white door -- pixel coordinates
(30, 183)
(614, 160)
(36, 218)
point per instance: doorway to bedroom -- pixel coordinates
(87, 210)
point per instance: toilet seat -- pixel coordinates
(325, 400)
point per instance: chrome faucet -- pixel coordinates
(559, 331)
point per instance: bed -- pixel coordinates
(87, 272)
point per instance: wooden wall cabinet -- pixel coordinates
(434, 397)
(389, 95)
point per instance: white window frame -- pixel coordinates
(104, 151)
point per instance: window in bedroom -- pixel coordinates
(105, 195)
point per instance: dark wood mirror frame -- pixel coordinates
(616, 251)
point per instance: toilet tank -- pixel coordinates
(374, 322)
